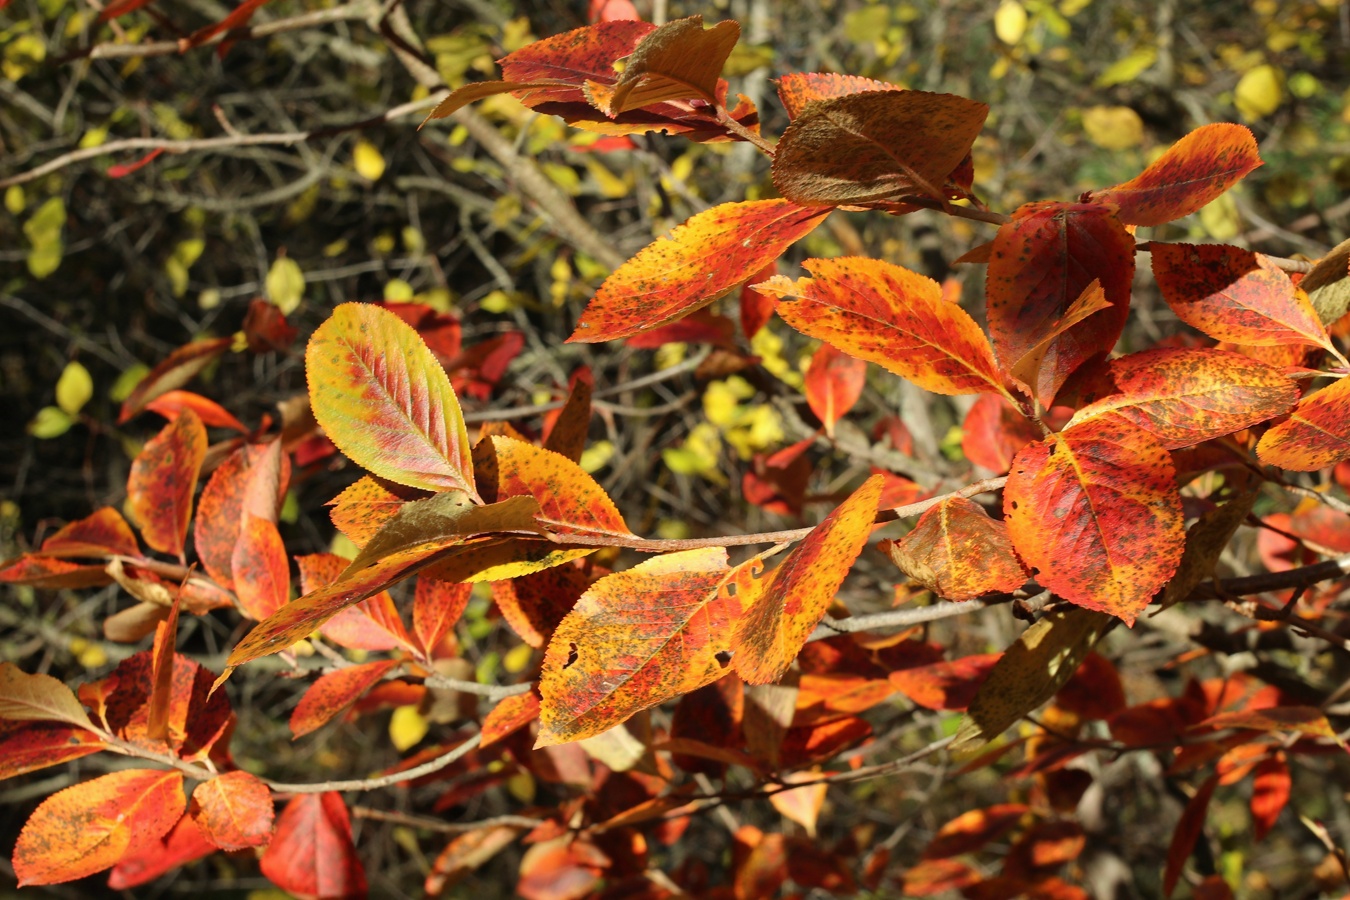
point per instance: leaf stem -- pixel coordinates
(736, 128)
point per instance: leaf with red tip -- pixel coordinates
(1235, 295)
(1095, 512)
(635, 639)
(1189, 830)
(1271, 787)
(947, 684)
(172, 403)
(163, 478)
(888, 315)
(1194, 171)
(311, 854)
(789, 603)
(104, 533)
(334, 692)
(176, 370)
(233, 810)
(183, 844)
(38, 698)
(958, 552)
(385, 401)
(875, 147)
(28, 746)
(89, 827)
(437, 606)
(1041, 264)
(702, 259)
(797, 89)
(680, 60)
(834, 382)
(509, 716)
(1316, 434)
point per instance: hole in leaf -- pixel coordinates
(571, 654)
(723, 658)
(731, 589)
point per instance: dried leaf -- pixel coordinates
(958, 552)
(678, 61)
(441, 516)
(798, 89)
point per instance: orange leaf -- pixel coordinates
(45, 572)
(163, 478)
(993, 431)
(888, 315)
(161, 673)
(183, 844)
(678, 61)
(971, 830)
(945, 685)
(875, 146)
(1271, 786)
(196, 719)
(367, 506)
(508, 716)
(635, 639)
(312, 854)
(1316, 434)
(1307, 720)
(233, 810)
(936, 876)
(1193, 171)
(221, 505)
(534, 604)
(958, 552)
(89, 827)
(797, 89)
(1184, 397)
(1235, 295)
(384, 400)
(173, 372)
(1027, 370)
(101, 534)
(334, 692)
(172, 403)
(1041, 263)
(29, 746)
(1189, 830)
(437, 606)
(567, 429)
(701, 260)
(262, 577)
(787, 604)
(1095, 512)
(38, 698)
(466, 853)
(834, 382)
(373, 624)
(801, 804)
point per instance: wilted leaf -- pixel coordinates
(384, 400)
(702, 259)
(1095, 513)
(1193, 171)
(797, 89)
(233, 810)
(678, 61)
(334, 692)
(801, 804)
(1316, 434)
(788, 603)
(958, 552)
(37, 698)
(442, 516)
(163, 478)
(89, 827)
(311, 854)
(176, 370)
(567, 433)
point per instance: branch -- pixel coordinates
(365, 784)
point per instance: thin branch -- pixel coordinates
(725, 119)
(959, 212)
(366, 784)
(427, 823)
(491, 691)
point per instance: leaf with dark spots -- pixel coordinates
(366, 506)
(958, 552)
(1316, 434)
(798, 89)
(162, 480)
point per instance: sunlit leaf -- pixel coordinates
(678, 61)
(333, 692)
(958, 552)
(30, 698)
(1316, 434)
(176, 370)
(797, 89)
(834, 383)
(233, 810)
(162, 481)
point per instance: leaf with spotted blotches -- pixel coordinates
(262, 575)
(534, 604)
(373, 624)
(1194, 171)
(367, 505)
(789, 603)
(311, 854)
(163, 478)
(681, 60)
(797, 89)
(635, 639)
(334, 692)
(1186, 396)
(233, 810)
(702, 259)
(875, 147)
(89, 827)
(1235, 295)
(1094, 511)
(834, 383)
(197, 719)
(1040, 265)
(384, 400)
(176, 370)
(1316, 434)
(28, 746)
(437, 606)
(886, 314)
(565, 433)
(958, 552)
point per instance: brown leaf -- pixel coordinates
(678, 61)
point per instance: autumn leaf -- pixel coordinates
(1235, 295)
(28, 746)
(333, 692)
(367, 505)
(788, 603)
(1206, 540)
(233, 810)
(797, 89)
(567, 432)
(465, 854)
(888, 315)
(948, 684)
(834, 382)
(509, 715)
(1316, 434)
(384, 400)
(373, 624)
(220, 508)
(1193, 172)
(1027, 370)
(994, 430)
(974, 828)
(183, 844)
(1271, 786)
(441, 516)
(163, 478)
(680, 60)
(87, 828)
(958, 552)
(1189, 830)
(534, 604)
(702, 259)
(311, 853)
(176, 370)
(636, 639)
(262, 576)
(1041, 263)
(1186, 396)
(38, 698)
(1095, 513)
(101, 534)
(437, 606)
(171, 404)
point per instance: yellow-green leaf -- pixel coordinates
(74, 388)
(1258, 92)
(285, 284)
(368, 161)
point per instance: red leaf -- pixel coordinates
(120, 8)
(680, 60)
(757, 308)
(101, 534)
(993, 432)
(334, 692)
(220, 509)
(266, 329)
(1271, 786)
(46, 572)
(262, 576)
(508, 716)
(834, 382)
(312, 854)
(123, 170)
(1094, 691)
(373, 624)
(171, 403)
(238, 18)
(163, 478)
(29, 746)
(533, 605)
(176, 370)
(437, 606)
(945, 685)
(183, 844)
(1316, 434)
(971, 830)
(1189, 830)
(196, 721)
(233, 810)
(701, 260)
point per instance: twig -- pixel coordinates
(366, 784)
(491, 691)
(429, 824)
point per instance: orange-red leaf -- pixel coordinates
(1185, 396)
(233, 810)
(171, 404)
(384, 400)
(101, 534)
(262, 576)
(437, 606)
(173, 372)
(797, 89)
(1271, 786)
(334, 692)
(1095, 512)
(678, 61)
(701, 260)
(566, 431)
(1316, 434)
(971, 830)
(37, 698)
(534, 604)
(635, 639)
(372, 624)
(875, 146)
(508, 716)
(163, 478)
(787, 604)
(311, 854)
(1041, 263)
(947, 684)
(993, 431)
(89, 827)
(834, 382)
(1189, 830)
(29, 746)
(1194, 171)
(221, 505)
(888, 315)
(367, 506)
(183, 844)
(238, 18)
(1235, 295)
(958, 552)
(47, 572)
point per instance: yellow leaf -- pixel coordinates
(94, 137)
(74, 388)
(1220, 218)
(127, 381)
(1113, 127)
(368, 161)
(596, 457)
(1128, 67)
(517, 658)
(15, 201)
(50, 422)
(285, 284)
(1258, 92)
(1010, 22)
(406, 727)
